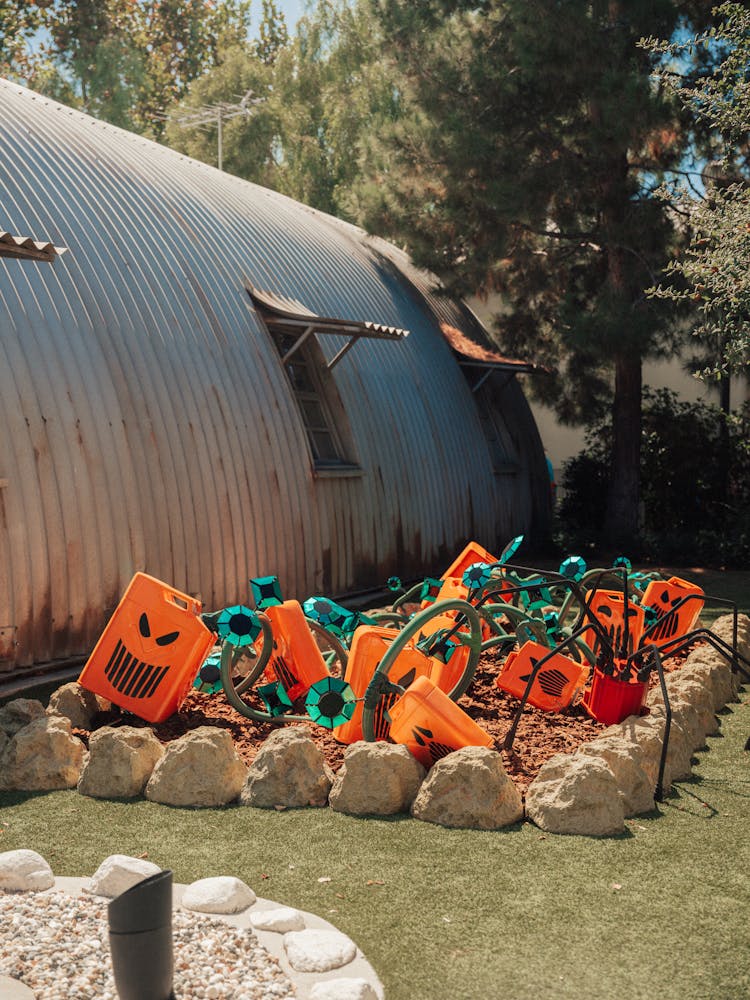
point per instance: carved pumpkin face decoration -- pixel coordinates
(675, 614)
(150, 651)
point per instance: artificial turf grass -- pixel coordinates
(469, 915)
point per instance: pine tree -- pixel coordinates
(531, 138)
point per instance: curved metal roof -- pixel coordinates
(148, 422)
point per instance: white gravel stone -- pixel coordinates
(57, 945)
(318, 950)
(220, 894)
(23, 871)
(343, 989)
(281, 920)
(118, 872)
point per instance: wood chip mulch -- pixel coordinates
(540, 735)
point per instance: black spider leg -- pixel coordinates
(659, 791)
(559, 579)
(511, 734)
(678, 643)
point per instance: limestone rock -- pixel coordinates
(683, 713)
(118, 872)
(714, 670)
(282, 919)
(42, 756)
(4, 739)
(120, 762)
(723, 627)
(624, 760)
(648, 732)
(77, 704)
(289, 770)
(575, 793)
(201, 768)
(471, 789)
(220, 894)
(318, 950)
(23, 871)
(343, 989)
(376, 779)
(698, 694)
(19, 713)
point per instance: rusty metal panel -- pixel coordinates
(148, 423)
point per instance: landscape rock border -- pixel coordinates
(609, 776)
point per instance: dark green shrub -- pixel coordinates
(695, 484)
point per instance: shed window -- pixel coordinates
(313, 388)
(294, 329)
(503, 449)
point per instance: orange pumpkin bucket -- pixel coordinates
(431, 726)
(149, 653)
(608, 606)
(558, 683)
(472, 553)
(368, 648)
(609, 700)
(296, 662)
(663, 596)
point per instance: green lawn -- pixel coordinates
(659, 912)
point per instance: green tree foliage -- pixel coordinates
(248, 142)
(273, 35)
(531, 137)
(125, 61)
(713, 273)
(19, 21)
(323, 91)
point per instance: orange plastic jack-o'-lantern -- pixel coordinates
(431, 726)
(558, 683)
(150, 651)
(608, 606)
(369, 646)
(664, 596)
(297, 662)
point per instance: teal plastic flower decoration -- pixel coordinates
(573, 567)
(328, 614)
(238, 625)
(624, 562)
(477, 575)
(208, 678)
(430, 589)
(510, 549)
(266, 591)
(394, 584)
(551, 624)
(330, 702)
(535, 594)
(275, 699)
(650, 615)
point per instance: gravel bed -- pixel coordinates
(58, 946)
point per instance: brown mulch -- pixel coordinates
(540, 735)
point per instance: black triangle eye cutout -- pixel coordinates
(144, 626)
(604, 610)
(168, 639)
(665, 596)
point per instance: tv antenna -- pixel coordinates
(205, 116)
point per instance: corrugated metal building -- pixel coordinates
(173, 401)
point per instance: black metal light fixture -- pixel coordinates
(140, 939)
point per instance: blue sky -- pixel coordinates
(291, 9)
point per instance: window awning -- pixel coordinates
(24, 248)
(483, 359)
(294, 314)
